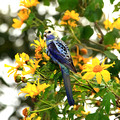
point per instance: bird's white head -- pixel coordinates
(50, 34)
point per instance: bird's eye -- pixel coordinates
(49, 31)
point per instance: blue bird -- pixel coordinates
(60, 54)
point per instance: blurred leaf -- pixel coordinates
(93, 15)
(93, 11)
(87, 32)
(111, 1)
(101, 92)
(67, 5)
(30, 19)
(115, 70)
(93, 116)
(46, 2)
(97, 116)
(110, 37)
(106, 101)
(117, 7)
(110, 55)
(53, 114)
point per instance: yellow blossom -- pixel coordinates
(72, 23)
(40, 43)
(116, 46)
(46, 56)
(32, 90)
(74, 15)
(107, 24)
(17, 23)
(14, 69)
(33, 65)
(111, 25)
(79, 60)
(24, 14)
(40, 46)
(21, 58)
(28, 3)
(98, 70)
(70, 18)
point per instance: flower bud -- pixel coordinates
(18, 78)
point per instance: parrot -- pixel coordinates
(59, 53)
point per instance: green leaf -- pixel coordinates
(93, 14)
(110, 37)
(93, 116)
(111, 1)
(53, 114)
(110, 55)
(97, 116)
(87, 32)
(117, 7)
(67, 5)
(101, 92)
(30, 19)
(106, 101)
(115, 70)
(46, 2)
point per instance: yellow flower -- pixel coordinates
(32, 90)
(22, 58)
(14, 69)
(110, 25)
(70, 18)
(72, 23)
(40, 43)
(24, 14)
(40, 46)
(46, 56)
(28, 3)
(33, 65)
(74, 15)
(17, 23)
(116, 46)
(107, 24)
(79, 60)
(95, 69)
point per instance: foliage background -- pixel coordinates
(14, 41)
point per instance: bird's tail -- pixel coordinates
(66, 78)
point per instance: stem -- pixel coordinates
(83, 44)
(111, 90)
(41, 22)
(35, 111)
(102, 36)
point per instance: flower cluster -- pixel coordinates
(116, 46)
(79, 60)
(26, 113)
(70, 18)
(32, 89)
(40, 46)
(110, 25)
(98, 70)
(23, 66)
(28, 3)
(24, 13)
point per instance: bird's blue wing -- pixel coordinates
(59, 53)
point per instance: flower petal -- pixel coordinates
(95, 61)
(88, 75)
(106, 75)
(98, 77)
